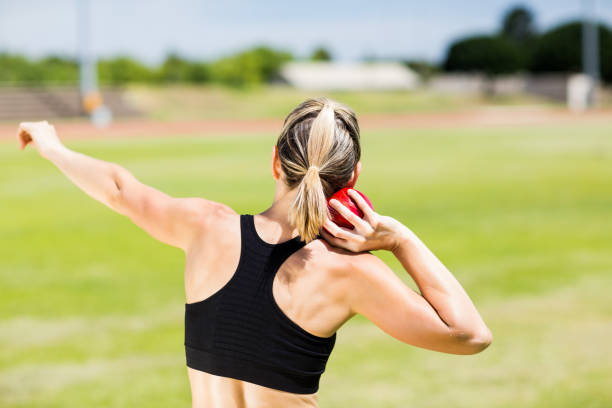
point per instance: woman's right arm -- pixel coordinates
(441, 318)
(173, 221)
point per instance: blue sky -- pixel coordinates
(148, 30)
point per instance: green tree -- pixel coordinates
(178, 69)
(56, 69)
(321, 54)
(16, 69)
(198, 72)
(489, 54)
(174, 69)
(560, 50)
(249, 67)
(424, 68)
(518, 25)
(123, 70)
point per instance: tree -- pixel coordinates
(56, 69)
(424, 68)
(321, 54)
(122, 70)
(560, 50)
(249, 67)
(198, 72)
(178, 69)
(16, 69)
(174, 69)
(489, 54)
(518, 25)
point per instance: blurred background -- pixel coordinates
(486, 128)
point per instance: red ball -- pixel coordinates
(346, 200)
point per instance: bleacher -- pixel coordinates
(39, 103)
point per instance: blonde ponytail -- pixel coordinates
(318, 154)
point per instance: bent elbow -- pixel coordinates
(476, 341)
(480, 340)
(115, 191)
(114, 199)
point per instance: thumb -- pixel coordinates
(23, 135)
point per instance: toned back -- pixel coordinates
(272, 319)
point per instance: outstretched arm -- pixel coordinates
(441, 318)
(174, 221)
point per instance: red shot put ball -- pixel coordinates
(346, 200)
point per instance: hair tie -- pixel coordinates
(329, 105)
(313, 168)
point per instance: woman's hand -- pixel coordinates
(41, 134)
(373, 232)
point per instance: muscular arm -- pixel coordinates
(99, 179)
(174, 221)
(442, 291)
(442, 317)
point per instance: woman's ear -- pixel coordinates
(276, 166)
(356, 171)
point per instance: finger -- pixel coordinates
(26, 126)
(329, 236)
(368, 212)
(332, 228)
(348, 214)
(24, 138)
(337, 242)
(339, 232)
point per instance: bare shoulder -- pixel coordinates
(215, 216)
(346, 264)
(207, 218)
(348, 269)
(361, 279)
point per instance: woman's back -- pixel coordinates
(306, 297)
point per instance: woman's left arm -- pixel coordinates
(174, 221)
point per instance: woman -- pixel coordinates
(267, 293)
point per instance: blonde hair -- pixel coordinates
(318, 150)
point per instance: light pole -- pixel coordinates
(590, 49)
(91, 98)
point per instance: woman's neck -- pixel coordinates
(274, 221)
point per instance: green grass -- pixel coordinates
(91, 306)
(215, 102)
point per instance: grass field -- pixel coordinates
(91, 312)
(188, 102)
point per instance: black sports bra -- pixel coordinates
(241, 332)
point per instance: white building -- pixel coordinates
(349, 76)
